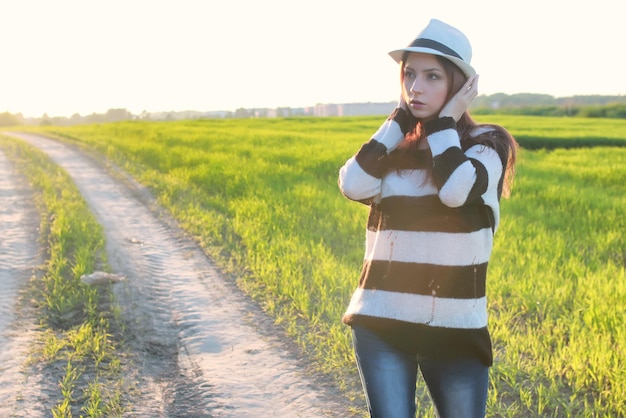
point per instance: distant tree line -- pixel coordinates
(591, 106)
(112, 115)
(7, 119)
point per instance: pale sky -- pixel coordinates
(83, 56)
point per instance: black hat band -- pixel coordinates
(429, 43)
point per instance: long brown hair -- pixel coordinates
(495, 137)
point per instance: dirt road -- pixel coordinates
(19, 256)
(200, 347)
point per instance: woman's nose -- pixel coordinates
(416, 87)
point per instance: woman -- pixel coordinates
(433, 179)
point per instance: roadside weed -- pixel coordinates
(74, 330)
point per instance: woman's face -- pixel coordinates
(424, 85)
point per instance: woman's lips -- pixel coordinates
(417, 104)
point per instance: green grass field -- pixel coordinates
(261, 196)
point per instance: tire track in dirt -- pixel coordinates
(200, 347)
(19, 258)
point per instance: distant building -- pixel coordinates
(353, 109)
(326, 109)
(359, 109)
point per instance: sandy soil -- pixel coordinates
(199, 347)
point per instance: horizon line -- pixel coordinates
(289, 107)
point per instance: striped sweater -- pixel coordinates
(428, 242)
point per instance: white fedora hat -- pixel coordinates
(439, 38)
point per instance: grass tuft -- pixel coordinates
(75, 329)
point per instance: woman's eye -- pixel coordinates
(433, 76)
(409, 74)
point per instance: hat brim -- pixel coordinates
(467, 69)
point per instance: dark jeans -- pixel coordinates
(458, 387)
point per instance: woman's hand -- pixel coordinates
(459, 103)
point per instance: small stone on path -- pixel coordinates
(100, 278)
